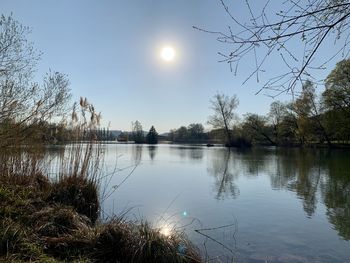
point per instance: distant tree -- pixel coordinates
(196, 131)
(277, 113)
(273, 28)
(256, 126)
(223, 114)
(172, 135)
(137, 133)
(288, 128)
(152, 136)
(181, 134)
(308, 113)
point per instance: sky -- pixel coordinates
(110, 50)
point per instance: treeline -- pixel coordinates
(138, 135)
(194, 133)
(309, 119)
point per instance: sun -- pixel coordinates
(168, 53)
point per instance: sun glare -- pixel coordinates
(165, 231)
(168, 54)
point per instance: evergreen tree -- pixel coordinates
(152, 136)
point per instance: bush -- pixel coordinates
(79, 192)
(130, 242)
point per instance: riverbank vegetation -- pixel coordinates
(310, 119)
(52, 220)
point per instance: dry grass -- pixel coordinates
(46, 219)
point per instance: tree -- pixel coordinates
(181, 134)
(336, 100)
(288, 128)
(24, 104)
(223, 115)
(196, 131)
(17, 55)
(152, 136)
(277, 113)
(309, 115)
(337, 93)
(292, 31)
(257, 127)
(137, 133)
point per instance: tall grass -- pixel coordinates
(45, 218)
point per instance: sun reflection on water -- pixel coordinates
(165, 231)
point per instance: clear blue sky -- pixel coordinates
(110, 51)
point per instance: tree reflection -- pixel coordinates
(315, 175)
(136, 154)
(336, 192)
(254, 161)
(152, 151)
(222, 168)
(297, 171)
(194, 153)
(310, 172)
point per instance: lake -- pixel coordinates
(258, 205)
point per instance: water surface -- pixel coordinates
(259, 205)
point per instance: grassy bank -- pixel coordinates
(44, 220)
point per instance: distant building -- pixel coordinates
(123, 137)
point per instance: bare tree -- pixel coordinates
(137, 132)
(22, 102)
(307, 24)
(223, 115)
(17, 54)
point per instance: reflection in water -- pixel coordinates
(265, 188)
(191, 152)
(311, 174)
(222, 168)
(196, 153)
(301, 173)
(136, 154)
(336, 192)
(152, 151)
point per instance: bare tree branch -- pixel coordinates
(305, 23)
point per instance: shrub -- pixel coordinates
(79, 192)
